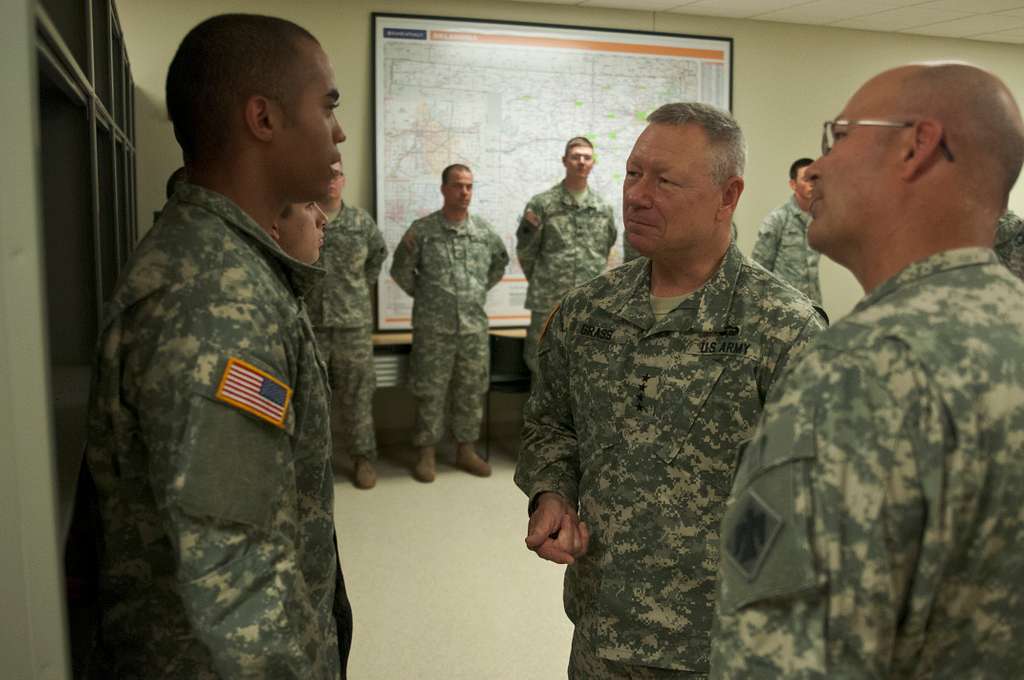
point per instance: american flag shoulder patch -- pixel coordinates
(254, 391)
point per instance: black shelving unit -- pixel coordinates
(87, 177)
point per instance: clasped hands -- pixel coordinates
(555, 531)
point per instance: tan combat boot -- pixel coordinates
(425, 469)
(365, 475)
(466, 458)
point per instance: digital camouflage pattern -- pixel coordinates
(353, 253)
(1010, 242)
(342, 315)
(217, 527)
(569, 247)
(348, 353)
(782, 249)
(450, 368)
(585, 664)
(637, 423)
(874, 527)
(448, 269)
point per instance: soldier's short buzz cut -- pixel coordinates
(453, 168)
(577, 141)
(729, 150)
(794, 169)
(220, 64)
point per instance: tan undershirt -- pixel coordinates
(661, 306)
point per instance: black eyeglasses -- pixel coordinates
(828, 134)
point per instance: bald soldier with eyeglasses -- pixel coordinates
(874, 525)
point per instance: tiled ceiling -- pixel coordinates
(991, 20)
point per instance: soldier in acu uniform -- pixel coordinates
(650, 376)
(209, 440)
(447, 261)
(563, 239)
(874, 527)
(781, 245)
(342, 315)
(1010, 242)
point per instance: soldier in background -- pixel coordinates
(299, 231)
(1009, 243)
(447, 261)
(342, 315)
(563, 239)
(781, 245)
(650, 376)
(874, 526)
(209, 440)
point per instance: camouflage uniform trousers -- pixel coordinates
(537, 320)
(449, 368)
(348, 353)
(585, 664)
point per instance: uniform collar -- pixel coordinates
(301, 276)
(929, 266)
(463, 227)
(1008, 228)
(713, 300)
(795, 208)
(568, 199)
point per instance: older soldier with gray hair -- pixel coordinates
(563, 240)
(650, 376)
(874, 527)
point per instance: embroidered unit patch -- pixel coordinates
(753, 536)
(254, 391)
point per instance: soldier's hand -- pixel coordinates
(532, 218)
(555, 531)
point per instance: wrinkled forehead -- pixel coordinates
(665, 145)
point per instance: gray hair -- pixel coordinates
(729, 150)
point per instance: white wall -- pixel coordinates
(33, 643)
(787, 80)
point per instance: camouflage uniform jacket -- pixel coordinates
(637, 422)
(1010, 243)
(448, 271)
(569, 248)
(874, 527)
(782, 249)
(210, 448)
(353, 253)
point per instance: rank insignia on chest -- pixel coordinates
(254, 391)
(753, 535)
(592, 331)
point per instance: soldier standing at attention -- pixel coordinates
(650, 376)
(563, 240)
(781, 245)
(1010, 242)
(209, 439)
(342, 314)
(447, 261)
(874, 526)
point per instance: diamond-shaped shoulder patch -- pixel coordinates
(753, 535)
